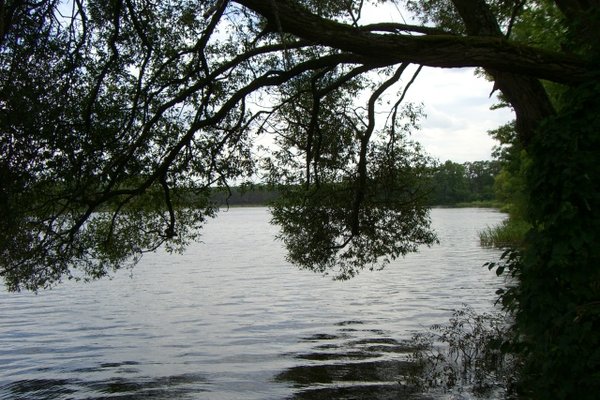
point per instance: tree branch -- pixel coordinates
(445, 51)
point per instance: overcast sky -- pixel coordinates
(457, 105)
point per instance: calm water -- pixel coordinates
(230, 319)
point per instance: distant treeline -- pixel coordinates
(454, 183)
(450, 184)
(257, 195)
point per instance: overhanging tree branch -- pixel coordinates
(445, 51)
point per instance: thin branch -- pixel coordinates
(400, 100)
(364, 143)
(170, 231)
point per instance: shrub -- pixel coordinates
(466, 355)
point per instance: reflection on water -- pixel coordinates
(185, 386)
(230, 319)
(354, 364)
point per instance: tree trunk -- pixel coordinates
(526, 94)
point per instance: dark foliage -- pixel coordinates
(453, 183)
(559, 293)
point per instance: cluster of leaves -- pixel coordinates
(328, 229)
(508, 266)
(98, 128)
(357, 197)
(466, 355)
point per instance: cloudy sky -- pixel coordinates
(457, 105)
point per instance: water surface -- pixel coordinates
(230, 319)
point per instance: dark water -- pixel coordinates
(230, 319)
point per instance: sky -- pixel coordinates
(457, 103)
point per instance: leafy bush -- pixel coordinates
(465, 354)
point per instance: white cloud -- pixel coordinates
(458, 107)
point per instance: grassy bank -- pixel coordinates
(479, 203)
(510, 233)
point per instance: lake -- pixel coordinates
(230, 319)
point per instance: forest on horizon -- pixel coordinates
(450, 184)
